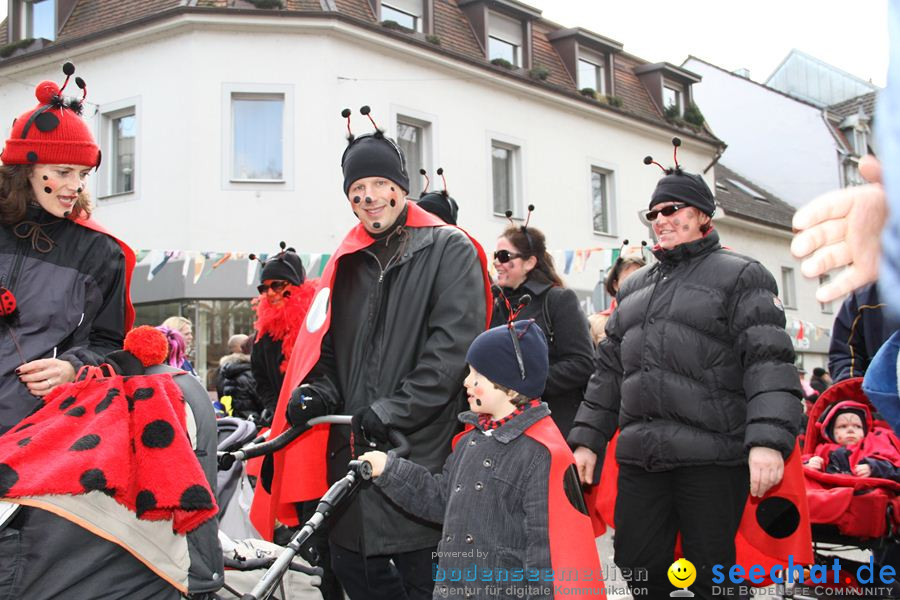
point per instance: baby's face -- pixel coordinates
(848, 429)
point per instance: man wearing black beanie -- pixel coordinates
(704, 388)
(408, 294)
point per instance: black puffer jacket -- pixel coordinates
(71, 300)
(398, 342)
(696, 368)
(571, 350)
(235, 379)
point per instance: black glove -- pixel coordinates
(124, 362)
(305, 404)
(367, 424)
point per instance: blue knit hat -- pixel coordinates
(493, 354)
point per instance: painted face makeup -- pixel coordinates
(484, 398)
(383, 202)
(513, 272)
(57, 187)
(678, 228)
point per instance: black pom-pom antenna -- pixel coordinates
(676, 142)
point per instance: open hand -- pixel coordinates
(766, 470)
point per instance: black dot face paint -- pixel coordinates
(78, 190)
(477, 402)
(393, 203)
(356, 199)
(47, 190)
(368, 200)
(392, 189)
(376, 225)
(45, 178)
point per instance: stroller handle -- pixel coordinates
(397, 439)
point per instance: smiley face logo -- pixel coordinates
(682, 573)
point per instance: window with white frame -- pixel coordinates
(407, 13)
(591, 72)
(123, 134)
(119, 143)
(413, 137)
(673, 99)
(40, 19)
(788, 289)
(505, 38)
(601, 200)
(257, 137)
(504, 176)
(826, 306)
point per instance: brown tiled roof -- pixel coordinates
(544, 54)
(847, 108)
(736, 202)
(90, 16)
(634, 95)
(361, 9)
(454, 30)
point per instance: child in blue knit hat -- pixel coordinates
(514, 521)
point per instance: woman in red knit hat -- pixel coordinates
(63, 279)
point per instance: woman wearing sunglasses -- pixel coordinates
(524, 266)
(284, 297)
(697, 373)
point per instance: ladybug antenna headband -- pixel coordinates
(676, 142)
(524, 227)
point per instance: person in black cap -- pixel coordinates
(284, 298)
(408, 294)
(697, 373)
(440, 204)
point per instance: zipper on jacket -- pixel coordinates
(21, 250)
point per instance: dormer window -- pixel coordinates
(40, 19)
(592, 72)
(673, 99)
(407, 13)
(505, 39)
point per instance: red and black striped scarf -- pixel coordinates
(486, 423)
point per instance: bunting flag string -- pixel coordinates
(158, 260)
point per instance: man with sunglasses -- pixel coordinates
(697, 374)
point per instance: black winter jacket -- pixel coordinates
(235, 379)
(859, 331)
(71, 299)
(266, 359)
(696, 368)
(571, 350)
(398, 342)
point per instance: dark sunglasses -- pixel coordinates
(504, 256)
(666, 211)
(276, 286)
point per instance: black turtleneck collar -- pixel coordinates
(530, 286)
(688, 250)
(399, 222)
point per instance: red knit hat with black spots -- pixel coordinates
(53, 132)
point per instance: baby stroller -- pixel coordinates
(358, 471)
(849, 514)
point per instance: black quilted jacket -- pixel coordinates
(696, 368)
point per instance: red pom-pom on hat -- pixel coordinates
(148, 345)
(45, 91)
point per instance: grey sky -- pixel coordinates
(755, 35)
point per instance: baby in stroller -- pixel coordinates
(853, 446)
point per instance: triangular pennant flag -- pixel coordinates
(140, 255)
(222, 260)
(199, 263)
(187, 263)
(157, 259)
(570, 254)
(314, 263)
(322, 263)
(579, 260)
(252, 265)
